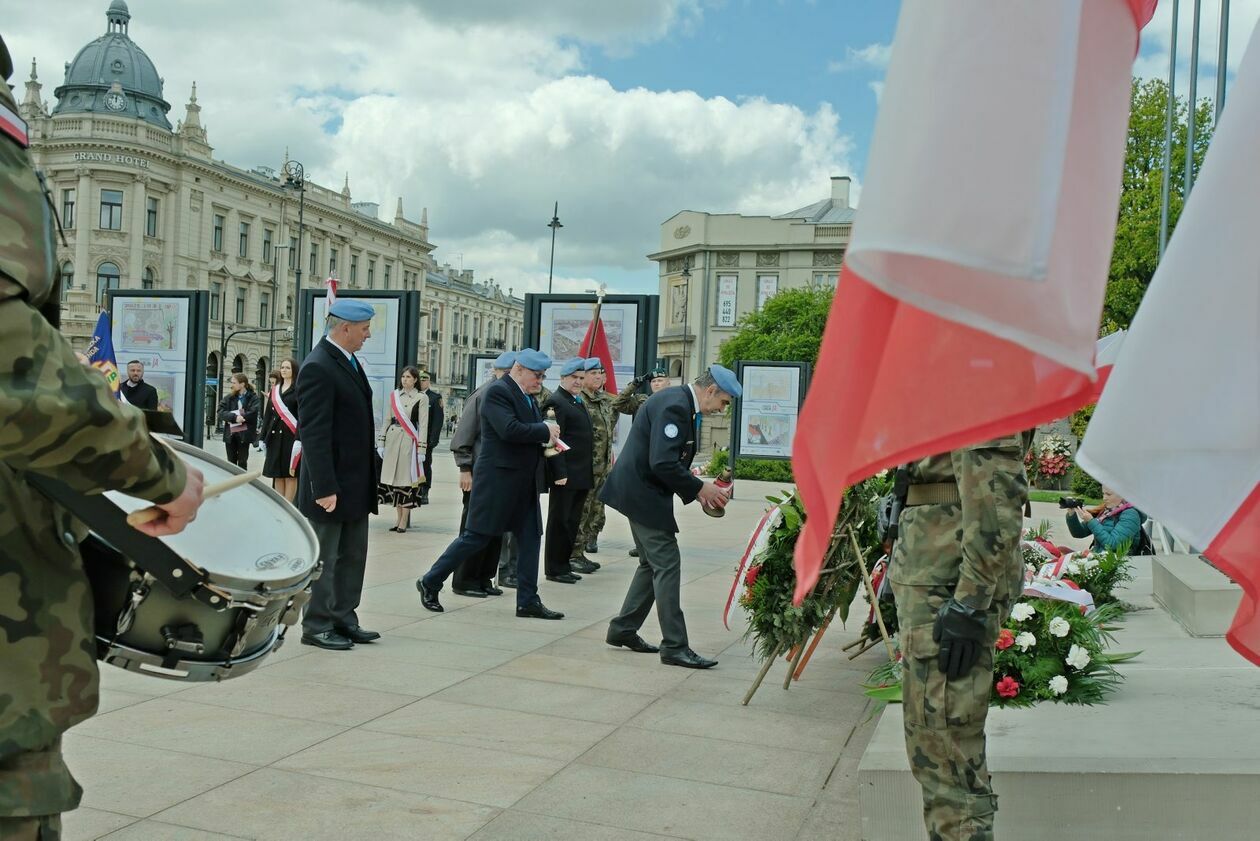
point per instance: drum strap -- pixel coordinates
(177, 574)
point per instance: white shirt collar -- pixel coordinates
(695, 399)
(344, 352)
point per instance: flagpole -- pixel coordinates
(1191, 104)
(599, 303)
(1222, 53)
(1169, 120)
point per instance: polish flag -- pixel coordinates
(968, 304)
(331, 283)
(595, 343)
(1177, 432)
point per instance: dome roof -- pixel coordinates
(112, 75)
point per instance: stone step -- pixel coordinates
(1198, 595)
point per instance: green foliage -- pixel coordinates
(764, 470)
(1085, 485)
(788, 328)
(1033, 669)
(1101, 573)
(719, 461)
(1080, 419)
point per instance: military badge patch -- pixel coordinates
(671, 430)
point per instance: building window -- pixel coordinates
(67, 278)
(332, 262)
(150, 279)
(386, 276)
(216, 297)
(106, 278)
(293, 253)
(354, 268)
(241, 294)
(150, 217)
(825, 279)
(67, 208)
(267, 236)
(243, 250)
(111, 210)
(767, 288)
(216, 242)
(314, 259)
(264, 308)
(288, 308)
(371, 273)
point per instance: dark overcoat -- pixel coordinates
(508, 472)
(577, 431)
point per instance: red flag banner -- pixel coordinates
(968, 309)
(598, 347)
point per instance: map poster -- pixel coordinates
(766, 415)
(379, 354)
(154, 331)
(564, 325)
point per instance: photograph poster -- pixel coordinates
(768, 409)
(379, 354)
(154, 332)
(563, 327)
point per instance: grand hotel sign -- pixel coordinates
(111, 158)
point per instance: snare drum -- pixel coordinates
(260, 557)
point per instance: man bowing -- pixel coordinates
(507, 479)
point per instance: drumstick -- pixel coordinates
(145, 515)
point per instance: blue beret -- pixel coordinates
(534, 360)
(349, 309)
(725, 379)
(505, 359)
(573, 366)
(594, 364)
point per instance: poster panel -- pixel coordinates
(767, 413)
(767, 288)
(563, 325)
(727, 288)
(480, 370)
(155, 331)
(380, 353)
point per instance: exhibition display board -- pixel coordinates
(765, 416)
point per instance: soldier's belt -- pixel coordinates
(933, 493)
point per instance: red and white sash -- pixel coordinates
(290, 420)
(404, 420)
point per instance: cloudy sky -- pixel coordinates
(488, 111)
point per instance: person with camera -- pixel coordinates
(1113, 524)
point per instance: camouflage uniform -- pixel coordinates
(630, 399)
(58, 419)
(968, 551)
(603, 422)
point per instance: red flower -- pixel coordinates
(1008, 687)
(1006, 638)
(750, 577)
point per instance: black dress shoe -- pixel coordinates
(491, 590)
(509, 582)
(358, 634)
(538, 610)
(593, 547)
(582, 565)
(688, 659)
(429, 598)
(634, 642)
(564, 578)
(470, 592)
(330, 640)
(393, 528)
(634, 553)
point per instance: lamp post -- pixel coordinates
(686, 276)
(295, 176)
(275, 300)
(553, 224)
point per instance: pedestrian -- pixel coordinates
(571, 473)
(654, 466)
(239, 413)
(507, 478)
(475, 576)
(403, 446)
(598, 404)
(60, 422)
(279, 433)
(340, 466)
(432, 435)
(956, 570)
(135, 390)
(631, 397)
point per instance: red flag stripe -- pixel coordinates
(1236, 552)
(598, 347)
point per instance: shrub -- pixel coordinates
(764, 470)
(719, 461)
(1085, 485)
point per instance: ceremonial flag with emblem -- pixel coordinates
(331, 283)
(1177, 431)
(100, 354)
(968, 304)
(595, 343)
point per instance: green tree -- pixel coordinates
(1136, 251)
(788, 328)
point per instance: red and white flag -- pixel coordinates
(331, 283)
(968, 304)
(595, 344)
(1177, 431)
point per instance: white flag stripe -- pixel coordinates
(1177, 430)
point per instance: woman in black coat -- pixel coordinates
(276, 434)
(239, 414)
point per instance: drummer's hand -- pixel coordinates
(328, 503)
(711, 496)
(175, 515)
(465, 480)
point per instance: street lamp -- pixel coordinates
(553, 224)
(275, 300)
(295, 176)
(686, 276)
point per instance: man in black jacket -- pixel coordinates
(434, 433)
(136, 391)
(572, 471)
(654, 465)
(507, 478)
(337, 483)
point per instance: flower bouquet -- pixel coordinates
(1054, 458)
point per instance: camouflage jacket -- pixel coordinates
(972, 546)
(628, 401)
(603, 422)
(59, 419)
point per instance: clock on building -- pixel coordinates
(115, 100)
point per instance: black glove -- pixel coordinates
(961, 632)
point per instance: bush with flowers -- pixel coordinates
(1054, 459)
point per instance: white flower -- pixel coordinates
(1058, 684)
(1025, 641)
(1078, 658)
(1090, 564)
(1059, 627)
(1073, 568)
(1022, 611)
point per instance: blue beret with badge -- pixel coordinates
(348, 309)
(726, 380)
(534, 360)
(505, 360)
(573, 366)
(594, 364)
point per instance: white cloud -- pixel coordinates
(877, 88)
(484, 121)
(872, 55)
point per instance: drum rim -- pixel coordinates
(276, 587)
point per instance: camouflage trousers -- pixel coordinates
(593, 517)
(35, 781)
(944, 721)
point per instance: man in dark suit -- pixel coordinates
(136, 391)
(572, 471)
(434, 433)
(654, 465)
(337, 483)
(507, 478)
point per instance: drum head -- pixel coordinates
(245, 537)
